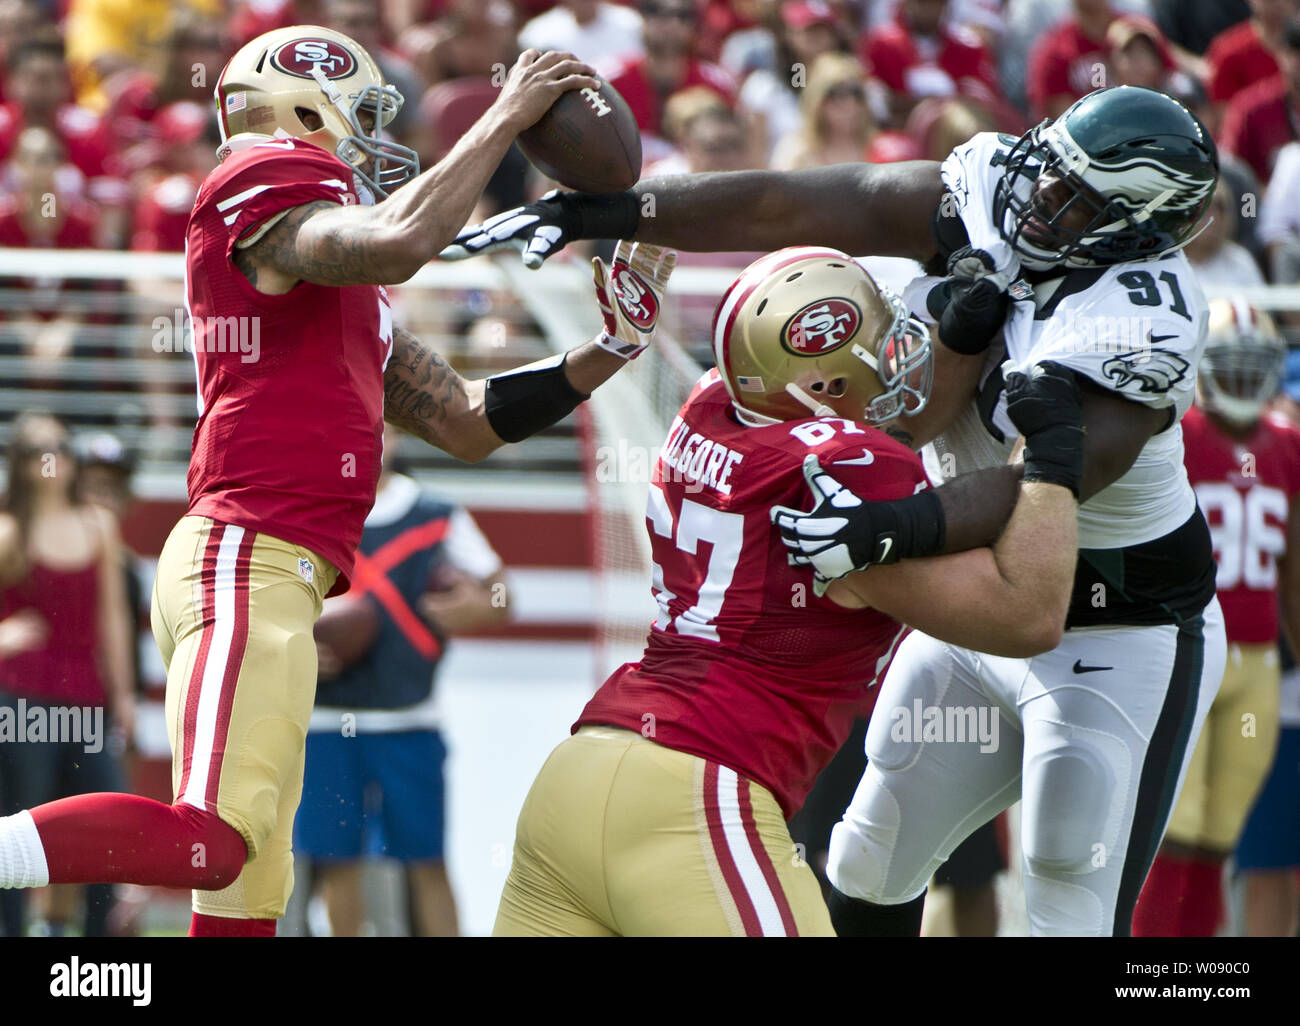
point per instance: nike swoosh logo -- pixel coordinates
(865, 460)
(1161, 338)
(886, 546)
(1080, 668)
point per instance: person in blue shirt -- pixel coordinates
(374, 765)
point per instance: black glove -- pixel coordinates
(842, 533)
(970, 306)
(1046, 407)
(540, 230)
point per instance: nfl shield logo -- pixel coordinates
(1020, 290)
(306, 570)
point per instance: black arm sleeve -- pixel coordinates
(522, 402)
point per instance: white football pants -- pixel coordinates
(1094, 737)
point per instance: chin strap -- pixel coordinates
(752, 419)
(818, 409)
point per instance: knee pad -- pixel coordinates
(1074, 795)
(862, 849)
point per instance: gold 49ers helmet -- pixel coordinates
(806, 330)
(1242, 365)
(275, 84)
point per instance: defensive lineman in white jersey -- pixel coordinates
(1095, 735)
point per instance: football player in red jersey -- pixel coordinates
(298, 365)
(665, 812)
(1245, 467)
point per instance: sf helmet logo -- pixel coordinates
(634, 297)
(821, 327)
(299, 56)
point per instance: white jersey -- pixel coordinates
(1136, 329)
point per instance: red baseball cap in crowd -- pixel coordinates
(800, 14)
(181, 123)
(1128, 27)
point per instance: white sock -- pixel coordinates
(22, 856)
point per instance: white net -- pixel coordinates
(626, 423)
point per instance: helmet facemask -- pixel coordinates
(904, 363)
(1237, 379)
(391, 163)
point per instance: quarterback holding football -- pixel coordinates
(298, 230)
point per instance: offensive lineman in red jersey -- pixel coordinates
(665, 812)
(298, 365)
(1245, 467)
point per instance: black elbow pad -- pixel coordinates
(520, 403)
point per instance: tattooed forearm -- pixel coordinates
(420, 388)
(426, 397)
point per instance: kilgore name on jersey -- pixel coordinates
(697, 461)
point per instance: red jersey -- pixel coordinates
(63, 668)
(745, 666)
(86, 142)
(1257, 123)
(1238, 58)
(291, 412)
(1065, 62)
(647, 104)
(75, 228)
(1245, 488)
(161, 218)
(922, 67)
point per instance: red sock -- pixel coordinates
(123, 838)
(217, 926)
(1158, 912)
(1203, 898)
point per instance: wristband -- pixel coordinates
(1055, 456)
(520, 403)
(626, 350)
(910, 528)
(602, 217)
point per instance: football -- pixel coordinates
(587, 141)
(348, 627)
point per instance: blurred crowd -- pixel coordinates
(106, 106)
(107, 127)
